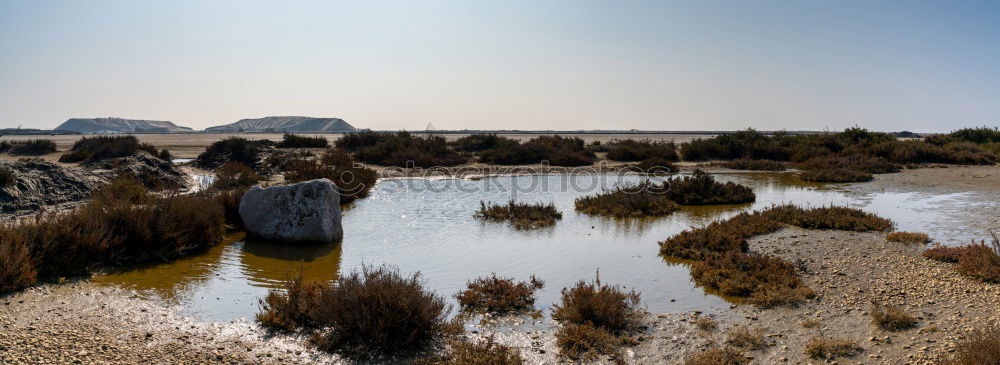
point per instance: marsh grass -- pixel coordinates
(520, 215)
(752, 165)
(832, 348)
(765, 280)
(289, 140)
(484, 352)
(106, 147)
(979, 260)
(596, 319)
(586, 342)
(235, 175)
(717, 356)
(706, 324)
(32, 147)
(891, 318)
(978, 348)
(750, 339)
(644, 199)
(702, 189)
(497, 295)
(908, 237)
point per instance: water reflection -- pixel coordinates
(428, 226)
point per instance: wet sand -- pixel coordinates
(82, 322)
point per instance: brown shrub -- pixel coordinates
(235, 175)
(7, 177)
(978, 260)
(702, 189)
(585, 342)
(229, 200)
(831, 348)
(945, 253)
(891, 318)
(718, 236)
(17, 269)
(980, 347)
(289, 140)
(748, 339)
(717, 356)
(105, 147)
(836, 175)
(706, 324)
(499, 295)
(289, 310)
(839, 218)
(753, 165)
(908, 237)
(520, 215)
(352, 182)
(767, 281)
(600, 305)
(486, 352)
(635, 200)
(378, 311)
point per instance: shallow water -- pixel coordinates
(427, 225)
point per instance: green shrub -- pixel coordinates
(520, 215)
(400, 149)
(633, 150)
(557, 150)
(702, 189)
(289, 140)
(499, 295)
(106, 147)
(378, 311)
(631, 200)
(33, 147)
(480, 142)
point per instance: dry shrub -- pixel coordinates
(289, 310)
(17, 269)
(289, 140)
(7, 177)
(400, 149)
(378, 311)
(235, 175)
(718, 236)
(499, 295)
(233, 149)
(352, 182)
(747, 338)
(486, 352)
(706, 324)
(585, 342)
(639, 150)
(633, 200)
(832, 348)
(891, 318)
(836, 175)
(979, 348)
(600, 305)
(978, 260)
(33, 147)
(908, 237)
(702, 189)
(945, 253)
(767, 281)
(838, 218)
(717, 356)
(520, 215)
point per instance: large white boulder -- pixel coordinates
(305, 212)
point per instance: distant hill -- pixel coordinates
(119, 125)
(285, 124)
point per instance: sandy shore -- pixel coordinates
(80, 322)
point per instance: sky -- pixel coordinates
(930, 66)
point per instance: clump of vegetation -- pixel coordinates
(486, 352)
(891, 318)
(747, 338)
(657, 166)
(639, 150)
(765, 280)
(977, 260)
(499, 295)
(32, 147)
(106, 147)
(632, 200)
(367, 312)
(400, 149)
(719, 236)
(596, 318)
(855, 168)
(706, 324)
(482, 142)
(557, 150)
(233, 149)
(7, 177)
(753, 165)
(353, 182)
(832, 348)
(836, 176)
(520, 215)
(119, 226)
(289, 140)
(702, 189)
(235, 175)
(717, 356)
(980, 347)
(908, 237)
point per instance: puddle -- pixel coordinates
(428, 226)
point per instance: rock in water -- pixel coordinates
(305, 212)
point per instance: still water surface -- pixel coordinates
(427, 225)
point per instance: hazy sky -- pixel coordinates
(538, 64)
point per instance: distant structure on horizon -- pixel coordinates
(285, 124)
(119, 125)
